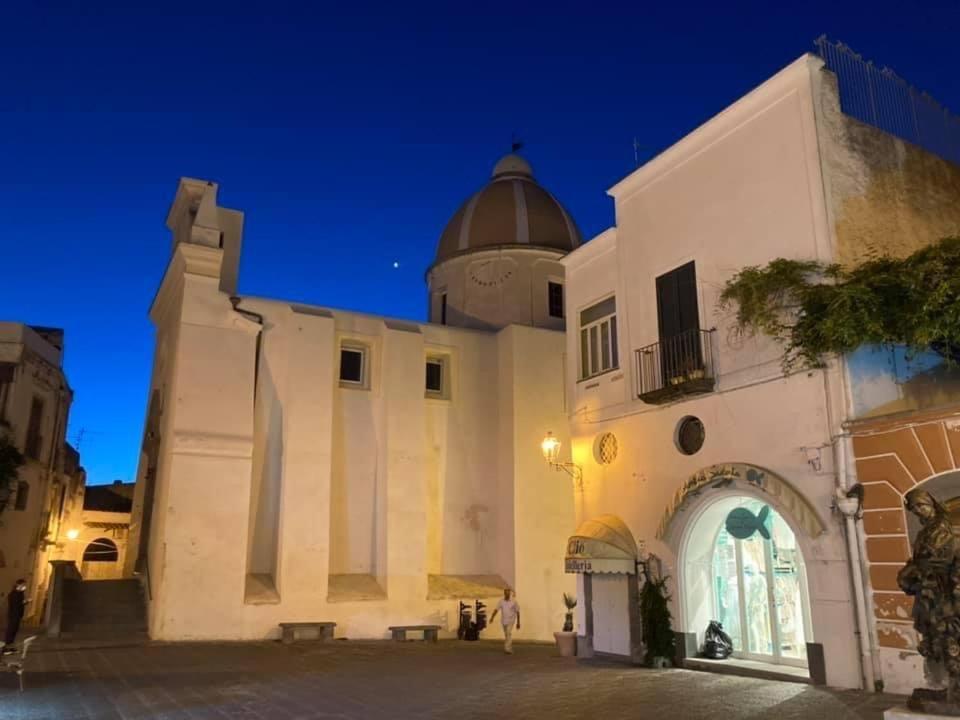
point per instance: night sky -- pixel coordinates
(348, 134)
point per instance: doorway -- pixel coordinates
(745, 569)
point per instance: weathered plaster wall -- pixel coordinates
(886, 196)
(892, 457)
(30, 537)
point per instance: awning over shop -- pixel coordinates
(603, 544)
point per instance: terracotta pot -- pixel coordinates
(566, 643)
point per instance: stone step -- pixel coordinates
(112, 626)
(104, 610)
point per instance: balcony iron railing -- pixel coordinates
(676, 366)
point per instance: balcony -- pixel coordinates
(676, 366)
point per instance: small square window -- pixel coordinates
(555, 299)
(435, 376)
(352, 365)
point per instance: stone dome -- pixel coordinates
(510, 210)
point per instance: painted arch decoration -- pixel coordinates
(602, 544)
(733, 475)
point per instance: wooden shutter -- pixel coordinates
(677, 308)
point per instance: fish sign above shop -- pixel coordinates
(742, 523)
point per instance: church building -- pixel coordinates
(307, 464)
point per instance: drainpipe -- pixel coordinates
(235, 301)
(848, 503)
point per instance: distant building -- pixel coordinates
(35, 402)
(100, 548)
(301, 463)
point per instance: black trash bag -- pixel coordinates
(717, 645)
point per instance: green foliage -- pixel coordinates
(10, 461)
(655, 619)
(815, 309)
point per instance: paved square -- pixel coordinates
(373, 680)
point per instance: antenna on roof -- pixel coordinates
(636, 152)
(515, 144)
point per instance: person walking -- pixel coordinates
(509, 614)
(16, 601)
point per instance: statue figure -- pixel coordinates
(932, 578)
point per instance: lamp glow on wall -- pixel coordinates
(551, 453)
(73, 534)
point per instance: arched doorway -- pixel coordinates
(744, 567)
(100, 560)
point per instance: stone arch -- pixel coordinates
(743, 476)
(101, 550)
(695, 540)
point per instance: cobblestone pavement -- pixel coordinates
(346, 680)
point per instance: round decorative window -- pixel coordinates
(605, 448)
(690, 435)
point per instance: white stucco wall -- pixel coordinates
(741, 190)
(262, 502)
(490, 289)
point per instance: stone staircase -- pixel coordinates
(103, 611)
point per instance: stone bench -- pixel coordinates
(399, 632)
(318, 630)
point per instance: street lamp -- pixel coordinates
(551, 452)
(73, 534)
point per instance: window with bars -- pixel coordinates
(598, 339)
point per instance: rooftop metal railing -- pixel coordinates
(881, 98)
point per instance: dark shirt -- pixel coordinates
(15, 603)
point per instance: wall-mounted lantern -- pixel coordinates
(551, 452)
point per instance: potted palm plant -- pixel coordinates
(567, 638)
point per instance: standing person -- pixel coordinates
(509, 614)
(16, 601)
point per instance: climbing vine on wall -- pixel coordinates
(815, 310)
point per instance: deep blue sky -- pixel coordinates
(348, 133)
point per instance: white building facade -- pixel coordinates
(307, 464)
(723, 467)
